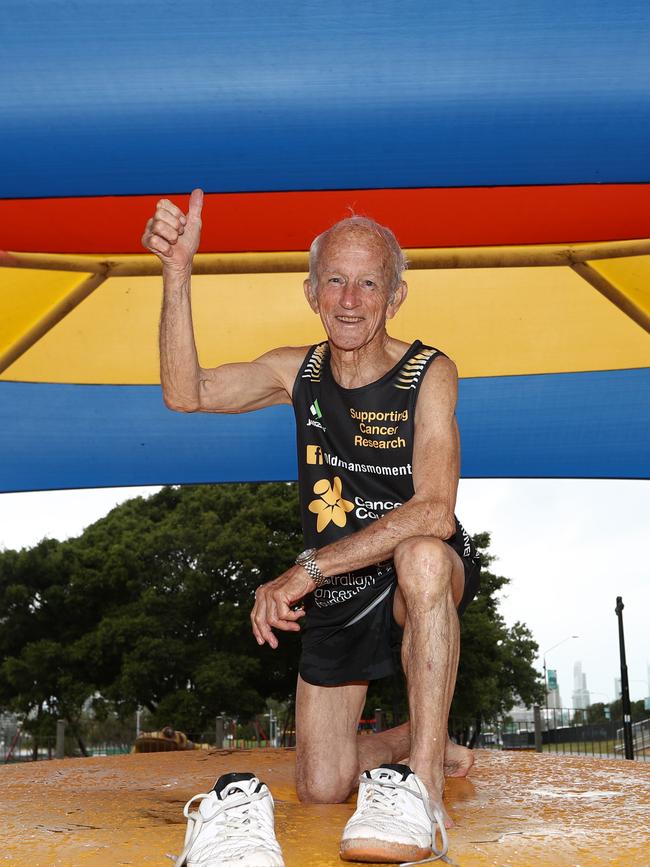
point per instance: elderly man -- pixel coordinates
(387, 563)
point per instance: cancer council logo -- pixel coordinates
(330, 505)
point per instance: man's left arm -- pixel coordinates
(429, 512)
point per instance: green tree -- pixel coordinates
(40, 676)
(638, 711)
(150, 606)
(596, 712)
(182, 644)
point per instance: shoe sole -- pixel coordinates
(380, 851)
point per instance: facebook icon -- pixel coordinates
(314, 455)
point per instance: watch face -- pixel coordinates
(305, 555)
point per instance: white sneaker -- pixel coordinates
(394, 820)
(233, 826)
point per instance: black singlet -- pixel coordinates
(355, 452)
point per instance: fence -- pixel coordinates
(558, 732)
(263, 731)
(18, 746)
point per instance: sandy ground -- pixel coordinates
(516, 809)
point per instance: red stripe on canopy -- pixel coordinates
(438, 217)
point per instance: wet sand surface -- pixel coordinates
(515, 809)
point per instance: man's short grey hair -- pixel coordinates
(397, 258)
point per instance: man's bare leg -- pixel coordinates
(387, 746)
(394, 745)
(330, 754)
(327, 721)
(458, 759)
(430, 585)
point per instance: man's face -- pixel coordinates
(354, 296)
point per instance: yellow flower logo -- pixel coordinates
(330, 505)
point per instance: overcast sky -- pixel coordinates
(569, 547)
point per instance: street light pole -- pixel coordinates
(625, 689)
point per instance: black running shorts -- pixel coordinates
(349, 632)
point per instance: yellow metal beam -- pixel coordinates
(613, 294)
(26, 340)
(296, 261)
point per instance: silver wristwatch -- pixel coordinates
(307, 559)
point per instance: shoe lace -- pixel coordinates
(382, 794)
(379, 795)
(238, 826)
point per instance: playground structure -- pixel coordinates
(510, 156)
(512, 168)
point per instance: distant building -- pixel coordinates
(554, 698)
(519, 714)
(617, 688)
(581, 698)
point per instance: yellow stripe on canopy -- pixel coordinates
(491, 321)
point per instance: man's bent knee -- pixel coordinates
(423, 561)
(323, 788)
(420, 549)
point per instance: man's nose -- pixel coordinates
(349, 297)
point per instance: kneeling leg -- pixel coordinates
(327, 720)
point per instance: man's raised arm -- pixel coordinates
(187, 387)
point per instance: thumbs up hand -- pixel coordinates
(174, 236)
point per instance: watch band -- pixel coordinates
(307, 559)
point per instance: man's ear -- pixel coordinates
(399, 296)
(310, 295)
